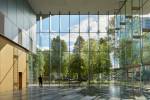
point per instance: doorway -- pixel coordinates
(20, 80)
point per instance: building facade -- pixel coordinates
(17, 41)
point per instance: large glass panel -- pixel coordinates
(43, 41)
(84, 23)
(84, 44)
(103, 23)
(73, 41)
(146, 46)
(55, 25)
(93, 21)
(55, 67)
(74, 23)
(53, 37)
(65, 41)
(86, 54)
(93, 42)
(64, 23)
(45, 24)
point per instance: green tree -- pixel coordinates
(38, 65)
(78, 44)
(47, 62)
(77, 66)
(77, 63)
(89, 55)
(58, 62)
(104, 56)
(96, 56)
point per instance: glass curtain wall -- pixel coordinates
(74, 50)
(87, 50)
(145, 69)
(131, 29)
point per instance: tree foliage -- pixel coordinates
(58, 48)
(77, 63)
(77, 66)
(93, 59)
(38, 65)
(96, 55)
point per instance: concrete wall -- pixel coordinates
(12, 61)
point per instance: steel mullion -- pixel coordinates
(79, 44)
(99, 47)
(59, 48)
(89, 52)
(69, 49)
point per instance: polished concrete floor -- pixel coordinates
(110, 92)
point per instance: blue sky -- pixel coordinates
(74, 28)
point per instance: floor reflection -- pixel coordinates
(114, 90)
(95, 92)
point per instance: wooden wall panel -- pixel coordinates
(7, 64)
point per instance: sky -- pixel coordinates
(84, 25)
(76, 24)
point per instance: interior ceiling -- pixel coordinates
(74, 6)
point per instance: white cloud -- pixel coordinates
(84, 27)
(44, 48)
(75, 28)
(71, 47)
(93, 27)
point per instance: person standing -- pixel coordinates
(40, 81)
